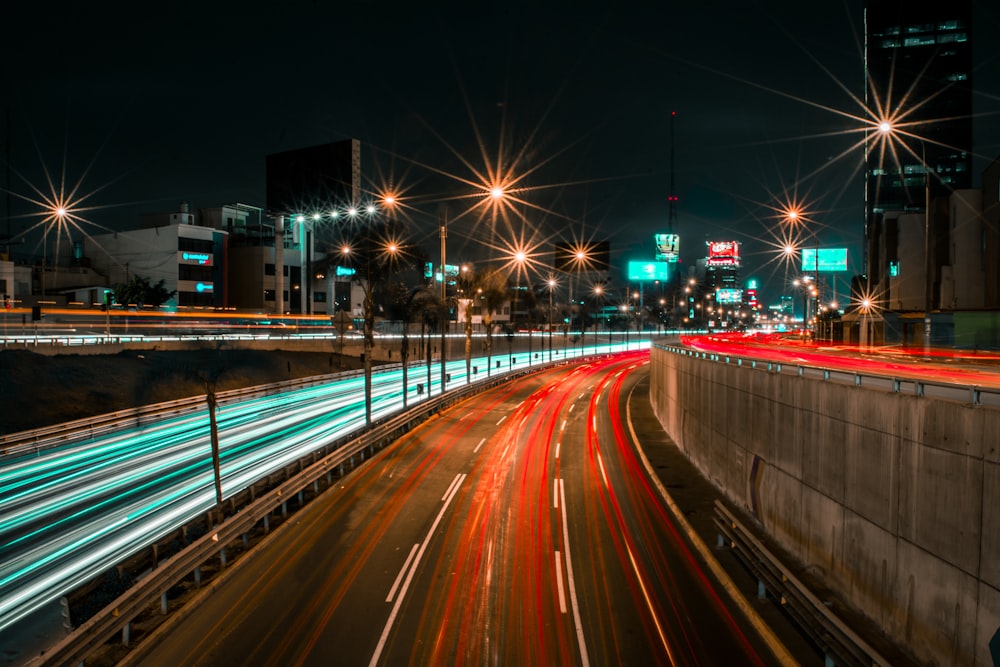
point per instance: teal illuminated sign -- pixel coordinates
(647, 271)
(829, 259)
(200, 257)
(666, 246)
(450, 270)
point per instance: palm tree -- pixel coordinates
(491, 290)
(407, 304)
(374, 255)
(141, 292)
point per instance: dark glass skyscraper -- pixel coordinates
(919, 61)
(918, 56)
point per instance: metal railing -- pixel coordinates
(840, 643)
(963, 393)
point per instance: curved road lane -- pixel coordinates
(519, 527)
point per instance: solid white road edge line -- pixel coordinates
(777, 648)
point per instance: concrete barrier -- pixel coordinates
(893, 499)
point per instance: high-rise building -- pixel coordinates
(918, 58)
(919, 62)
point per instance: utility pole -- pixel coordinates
(444, 297)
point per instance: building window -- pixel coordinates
(269, 269)
(890, 43)
(195, 245)
(319, 297)
(269, 295)
(953, 37)
(194, 272)
(918, 41)
(958, 76)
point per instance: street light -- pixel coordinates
(552, 286)
(334, 273)
(885, 127)
(625, 309)
(444, 296)
(794, 217)
(520, 257)
(598, 293)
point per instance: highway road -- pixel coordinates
(72, 512)
(943, 365)
(518, 527)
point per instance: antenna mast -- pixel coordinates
(672, 216)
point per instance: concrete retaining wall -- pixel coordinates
(893, 499)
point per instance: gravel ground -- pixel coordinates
(38, 390)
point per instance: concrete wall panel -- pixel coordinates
(780, 502)
(989, 548)
(868, 567)
(943, 501)
(941, 604)
(821, 530)
(951, 429)
(871, 480)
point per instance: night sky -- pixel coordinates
(148, 105)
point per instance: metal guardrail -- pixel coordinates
(971, 394)
(842, 645)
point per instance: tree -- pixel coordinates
(140, 292)
(374, 255)
(405, 305)
(491, 290)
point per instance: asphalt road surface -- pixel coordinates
(519, 527)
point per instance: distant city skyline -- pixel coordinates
(186, 106)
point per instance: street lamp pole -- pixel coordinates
(928, 264)
(816, 279)
(444, 296)
(552, 284)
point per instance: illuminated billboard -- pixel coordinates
(647, 271)
(751, 294)
(830, 259)
(723, 253)
(728, 295)
(450, 270)
(575, 257)
(200, 258)
(667, 246)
